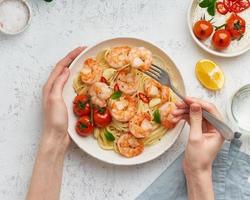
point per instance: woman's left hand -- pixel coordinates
(55, 111)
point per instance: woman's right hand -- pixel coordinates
(204, 140)
(203, 145)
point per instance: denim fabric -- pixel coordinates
(231, 172)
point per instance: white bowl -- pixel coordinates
(243, 49)
(89, 144)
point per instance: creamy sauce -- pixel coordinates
(218, 20)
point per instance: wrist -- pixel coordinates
(200, 185)
(199, 176)
(53, 142)
(196, 172)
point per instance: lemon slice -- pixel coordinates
(209, 74)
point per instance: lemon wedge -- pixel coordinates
(209, 74)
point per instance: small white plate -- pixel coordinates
(89, 144)
(238, 50)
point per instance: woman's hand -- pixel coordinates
(203, 145)
(55, 111)
(47, 173)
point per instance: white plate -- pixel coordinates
(89, 144)
(236, 50)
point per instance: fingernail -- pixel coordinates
(195, 108)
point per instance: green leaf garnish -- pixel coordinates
(116, 95)
(109, 136)
(210, 5)
(157, 116)
(211, 9)
(204, 3)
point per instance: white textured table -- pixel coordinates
(57, 27)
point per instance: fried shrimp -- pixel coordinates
(127, 81)
(117, 57)
(165, 112)
(140, 125)
(140, 58)
(129, 146)
(91, 72)
(123, 109)
(99, 93)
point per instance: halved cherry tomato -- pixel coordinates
(203, 29)
(236, 26)
(104, 80)
(81, 105)
(143, 97)
(102, 117)
(84, 127)
(221, 8)
(116, 87)
(221, 39)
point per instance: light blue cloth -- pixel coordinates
(231, 171)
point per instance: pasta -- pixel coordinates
(117, 128)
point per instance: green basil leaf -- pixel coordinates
(211, 8)
(204, 4)
(116, 95)
(109, 136)
(157, 116)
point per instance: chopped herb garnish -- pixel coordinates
(157, 116)
(116, 95)
(109, 136)
(204, 3)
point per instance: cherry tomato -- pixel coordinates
(116, 87)
(144, 98)
(104, 80)
(203, 29)
(102, 117)
(236, 26)
(221, 8)
(84, 127)
(221, 39)
(81, 105)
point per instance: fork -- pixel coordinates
(163, 77)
